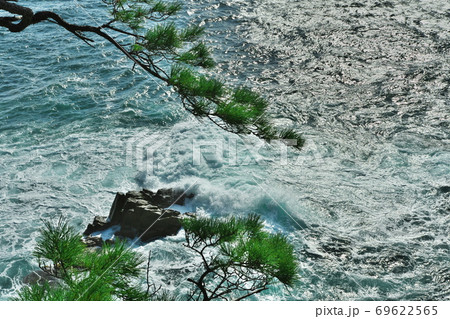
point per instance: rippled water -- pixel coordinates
(367, 200)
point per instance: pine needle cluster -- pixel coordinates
(177, 55)
(84, 275)
(239, 258)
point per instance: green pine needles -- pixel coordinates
(191, 84)
(239, 259)
(177, 56)
(108, 274)
(149, 33)
(243, 107)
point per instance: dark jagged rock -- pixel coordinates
(188, 214)
(142, 214)
(117, 206)
(444, 189)
(96, 242)
(149, 223)
(91, 241)
(163, 198)
(40, 277)
(100, 223)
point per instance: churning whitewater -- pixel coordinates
(366, 202)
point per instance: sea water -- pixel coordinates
(366, 202)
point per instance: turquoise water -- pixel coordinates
(366, 202)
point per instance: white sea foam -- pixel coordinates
(361, 201)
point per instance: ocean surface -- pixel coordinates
(366, 202)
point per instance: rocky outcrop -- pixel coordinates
(95, 242)
(100, 223)
(142, 214)
(40, 277)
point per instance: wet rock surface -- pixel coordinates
(141, 214)
(40, 277)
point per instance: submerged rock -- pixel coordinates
(96, 241)
(40, 277)
(444, 189)
(142, 214)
